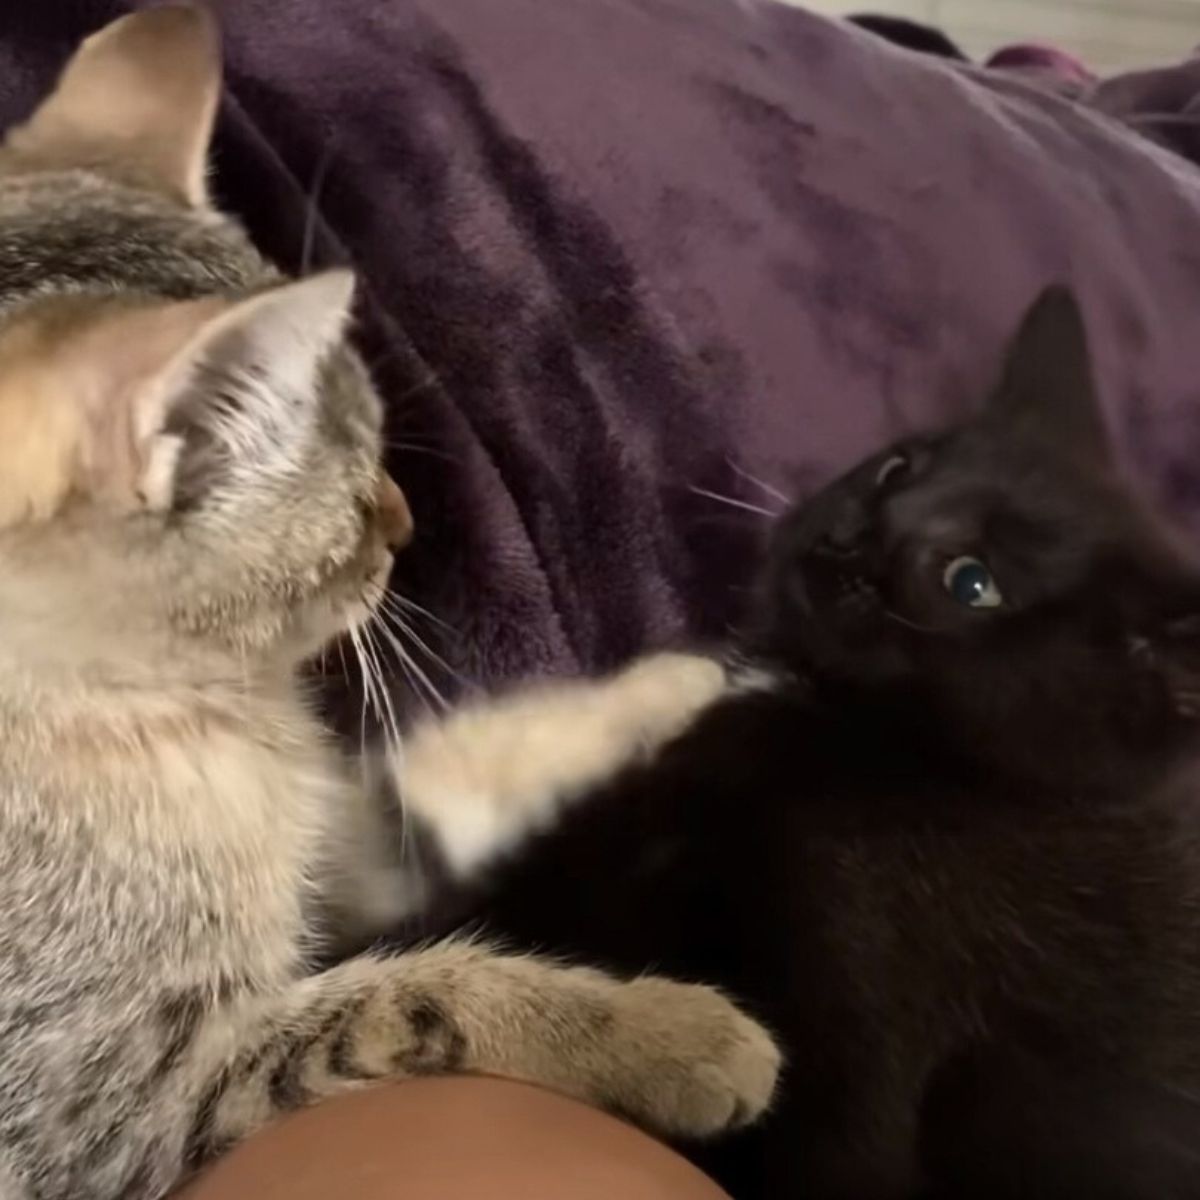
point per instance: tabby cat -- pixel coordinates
(938, 823)
(191, 504)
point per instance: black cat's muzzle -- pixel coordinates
(831, 555)
(840, 621)
(830, 581)
(841, 591)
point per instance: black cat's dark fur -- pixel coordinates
(952, 853)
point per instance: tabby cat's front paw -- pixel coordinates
(701, 1065)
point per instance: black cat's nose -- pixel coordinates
(845, 532)
(831, 546)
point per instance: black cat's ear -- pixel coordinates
(1163, 632)
(1047, 391)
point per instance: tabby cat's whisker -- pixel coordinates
(393, 597)
(406, 447)
(404, 628)
(415, 671)
(403, 660)
(416, 436)
(744, 504)
(372, 665)
(406, 633)
(370, 699)
(312, 209)
(368, 680)
(388, 712)
(362, 711)
(371, 631)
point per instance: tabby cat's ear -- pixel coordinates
(1047, 391)
(192, 395)
(137, 101)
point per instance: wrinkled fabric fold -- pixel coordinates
(620, 256)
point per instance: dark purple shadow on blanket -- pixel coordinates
(616, 252)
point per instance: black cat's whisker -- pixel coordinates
(760, 483)
(895, 616)
(742, 504)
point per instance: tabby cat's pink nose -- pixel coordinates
(393, 514)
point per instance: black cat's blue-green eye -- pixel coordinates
(970, 583)
(893, 467)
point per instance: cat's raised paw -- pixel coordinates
(704, 1066)
(669, 688)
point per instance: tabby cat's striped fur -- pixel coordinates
(190, 505)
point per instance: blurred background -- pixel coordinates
(1108, 35)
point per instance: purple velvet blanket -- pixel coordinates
(619, 253)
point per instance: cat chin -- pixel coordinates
(340, 611)
(825, 651)
(327, 621)
(834, 638)
(316, 631)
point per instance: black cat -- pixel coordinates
(938, 831)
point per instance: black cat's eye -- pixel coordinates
(970, 583)
(894, 466)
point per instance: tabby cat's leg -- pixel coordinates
(677, 1058)
(492, 772)
(368, 878)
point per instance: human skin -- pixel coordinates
(452, 1139)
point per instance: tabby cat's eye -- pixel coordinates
(894, 466)
(970, 583)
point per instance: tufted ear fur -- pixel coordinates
(241, 393)
(148, 407)
(137, 101)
